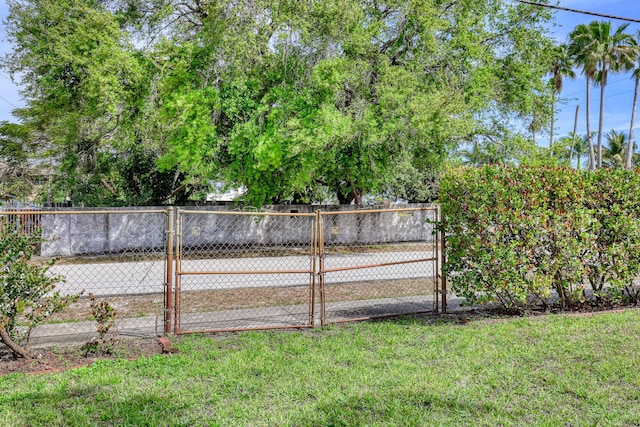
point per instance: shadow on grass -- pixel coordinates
(94, 405)
(394, 409)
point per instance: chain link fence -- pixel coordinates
(186, 270)
(118, 256)
(244, 270)
(378, 263)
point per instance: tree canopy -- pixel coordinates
(149, 101)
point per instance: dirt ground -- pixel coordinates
(59, 359)
(198, 301)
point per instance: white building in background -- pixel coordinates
(224, 197)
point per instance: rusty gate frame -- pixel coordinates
(179, 272)
(317, 272)
(439, 280)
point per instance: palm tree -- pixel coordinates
(582, 56)
(580, 148)
(608, 52)
(562, 66)
(615, 152)
(630, 144)
(534, 127)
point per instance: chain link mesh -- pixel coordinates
(233, 270)
(116, 255)
(239, 270)
(378, 263)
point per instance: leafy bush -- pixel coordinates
(516, 234)
(615, 259)
(105, 316)
(27, 295)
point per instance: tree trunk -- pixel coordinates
(592, 156)
(553, 121)
(603, 82)
(573, 142)
(629, 162)
(13, 346)
(345, 199)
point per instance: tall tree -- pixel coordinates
(580, 39)
(636, 77)
(353, 96)
(603, 51)
(286, 98)
(84, 84)
(615, 152)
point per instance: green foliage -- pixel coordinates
(105, 316)
(615, 258)
(27, 291)
(288, 99)
(514, 151)
(17, 179)
(516, 234)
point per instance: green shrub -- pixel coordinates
(515, 234)
(105, 316)
(27, 295)
(615, 259)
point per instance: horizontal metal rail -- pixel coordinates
(368, 211)
(302, 214)
(79, 212)
(384, 264)
(201, 273)
(380, 316)
(252, 328)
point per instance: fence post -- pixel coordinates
(178, 272)
(436, 255)
(314, 267)
(320, 220)
(443, 276)
(168, 291)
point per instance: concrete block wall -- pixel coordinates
(94, 234)
(78, 233)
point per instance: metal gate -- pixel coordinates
(229, 270)
(117, 255)
(266, 270)
(244, 270)
(379, 263)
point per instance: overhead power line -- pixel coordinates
(584, 12)
(8, 102)
(608, 85)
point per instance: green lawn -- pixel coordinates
(553, 371)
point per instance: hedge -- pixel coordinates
(516, 234)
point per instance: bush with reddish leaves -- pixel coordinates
(515, 234)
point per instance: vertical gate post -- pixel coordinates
(178, 272)
(442, 260)
(320, 220)
(168, 291)
(314, 267)
(436, 256)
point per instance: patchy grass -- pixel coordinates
(549, 371)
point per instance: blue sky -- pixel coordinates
(10, 97)
(619, 90)
(618, 96)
